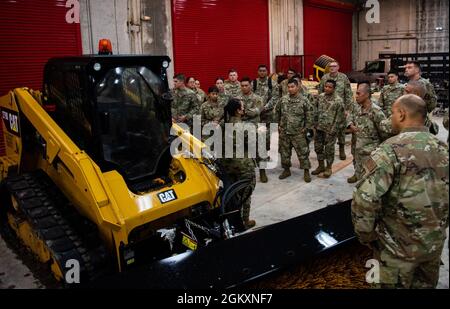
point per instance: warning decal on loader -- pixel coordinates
(11, 121)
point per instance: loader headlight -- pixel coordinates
(165, 64)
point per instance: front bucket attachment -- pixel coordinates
(244, 258)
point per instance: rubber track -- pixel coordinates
(66, 234)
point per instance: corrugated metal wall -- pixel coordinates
(327, 30)
(212, 36)
(31, 32)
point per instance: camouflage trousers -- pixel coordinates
(299, 143)
(245, 212)
(324, 146)
(341, 137)
(396, 273)
(264, 157)
(353, 150)
(237, 170)
(267, 120)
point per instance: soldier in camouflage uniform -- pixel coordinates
(268, 90)
(390, 93)
(211, 111)
(185, 103)
(412, 72)
(330, 111)
(365, 124)
(291, 113)
(201, 95)
(190, 83)
(343, 90)
(419, 89)
(291, 73)
(232, 85)
(239, 168)
(312, 108)
(253, 105)
(400, 207)
(223, 98)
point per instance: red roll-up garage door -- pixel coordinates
(31, 32)
(211, 36)
(327, 31)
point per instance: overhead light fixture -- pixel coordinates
(439, 28)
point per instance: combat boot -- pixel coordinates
(320, 169)
(352, 179)
(328, 171)
(263, 176)
(249, 224)
(307, 176)
(286, 173)
(342, 154)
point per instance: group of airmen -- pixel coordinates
(400, 203)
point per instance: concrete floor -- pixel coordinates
(271, 203)
(279, 200)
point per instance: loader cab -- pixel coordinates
(117, 109)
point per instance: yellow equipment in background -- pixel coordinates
(89, 174)
(321, 66)
(95, 174)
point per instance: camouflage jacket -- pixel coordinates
(284, 88)
(293, 114)
(201, 96)
(369, 135)
(389, 94)
(343, 88)
(253, 105)
(238, 162)
(223, 99)
(330, 113)
(233, 90)
(270, 96)
(430, 97)
(386, 127)
(402, 201)
(185, 103)
(211, 111)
